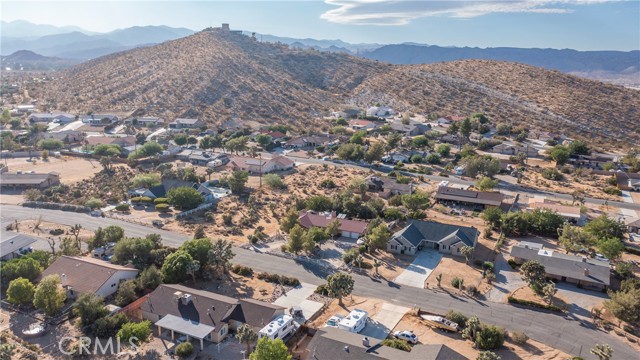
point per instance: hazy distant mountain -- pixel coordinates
(28, 60)
(584, 63)
(323, 45)
(79, 45)
(25, 30)
(220, 76)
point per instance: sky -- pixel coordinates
(574, 24)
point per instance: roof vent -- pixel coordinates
(365, 341)
(186, 299)
(346, 349)
(177, 295)
(586, 272)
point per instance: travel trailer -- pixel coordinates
(355, 321)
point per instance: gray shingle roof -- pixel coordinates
(418, 230)
(468, 196)
(559, 264)
(14, 242)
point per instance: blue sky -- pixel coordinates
(576, 24)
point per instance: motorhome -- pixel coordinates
(355, 321)
(279, 328)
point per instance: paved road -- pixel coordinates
(573, 336)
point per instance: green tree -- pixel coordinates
(465, 128)
(135, 332)
(573, 238)
(481, 165)
(238, 181)
(486, 183)
(50, 144)
(107, 150)
(610, 247)
(290, 220)
(27, 268)
(560, 154)
(352, 152)
(375, 152)
(379, 237)
(579, 147)
(393, 140)
(333, 228)
(296, 239)
(533, 273)
(603, 352)
(489, 337)
(416, 201)
(136, 250)
(180, 139)
(221, 254)
(69, 247)
(150, 278)
(488, 355)
(264, 140)
(274, 181)
(113, 233)
(199, 249)
(268, 349)
(20, 291)
(126, 293)
(89, 308)
(339, 285)
(174, 269)
(237, 145)
(358, 137)
(49, 296)
(444, 150)
(185, 197)
(624, 304)
(433, 158)
(246, 334)
(467, 252)
(492, 216)
(604, 226)
(146, 180)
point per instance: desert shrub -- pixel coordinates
(489, 337)
(551, 174)
(612, 190)
(122, 207)
(184, 350)
(242, 270)
(327, 184)
(278, 279)
(397, 344)
(322, 290)
(161, 200)
(472, 290)
(519, 338)
(56, 232)
(108, 326)
(350, 255)
(455, 282)
(162, 207)
(227, 219)
(94, 203)
(131, 330)
(487, 265)
(274, 181)
(456, 317)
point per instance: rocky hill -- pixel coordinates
(28, 61)
(227, 76)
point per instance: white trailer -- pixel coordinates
(279, 327)
(355, 321)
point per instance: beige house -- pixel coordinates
(259, 165)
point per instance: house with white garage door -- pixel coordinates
(349, 228)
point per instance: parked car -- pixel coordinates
(601, 257)
(158, 223)
(361, 241)
(407, 335)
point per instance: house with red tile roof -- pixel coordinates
(349, 228)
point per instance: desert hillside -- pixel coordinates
(225, 76)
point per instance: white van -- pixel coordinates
(355, 321)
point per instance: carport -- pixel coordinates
(186, 327)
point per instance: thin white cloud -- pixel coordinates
(400, 12)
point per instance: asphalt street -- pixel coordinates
(566, 333)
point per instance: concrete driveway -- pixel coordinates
(507, 280)
(417, 273)
(580, 300)
(298, 297)
(379, 325)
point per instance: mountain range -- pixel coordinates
(224, 77)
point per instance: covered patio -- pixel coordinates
(184, 327)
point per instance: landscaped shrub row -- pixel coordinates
(162, 207)
(160, 200)
(56, 206)
(513, 300)
(322, 290)
(278, 279)
(242, 270)
(139, 199)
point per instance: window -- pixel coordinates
(223, 331)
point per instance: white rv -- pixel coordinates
(355, 321)
(280, 328)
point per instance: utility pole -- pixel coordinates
(260, 157)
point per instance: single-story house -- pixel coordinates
(450, 139)
(445, 238)
(478, 199)
(181, 123)
(121, 141)
(381, 111)
(99, 119)
(89, 275)
(633, 227)
(145, 121)
(404, 156)
(448, 120)
(330, 343)
(203, 315)
(414, 128)
(260, 166)
(12, 245)
(22, 109)
(506, 149)
(628, 181)
(275, 135)
(359, 124)
(49, 117)
(152, 192)
(593, 161)
(387, 186)
(579, 270)
(351, 113)
(201, 158)
(66, 136)
(569, 213)
(306, 141)
(349, 228)
(211, 192)
(24, 180)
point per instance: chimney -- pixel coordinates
(365, 341)
(63, 280)
(586, 272)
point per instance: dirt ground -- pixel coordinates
(533, 350)
(525, 293)
(71, 169)
(392, 265)
(589, 184)
(240, 287)
(454, 266)
(370, 305)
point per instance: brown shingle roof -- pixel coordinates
(309, 219)
(469, 196)
(84, 274)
